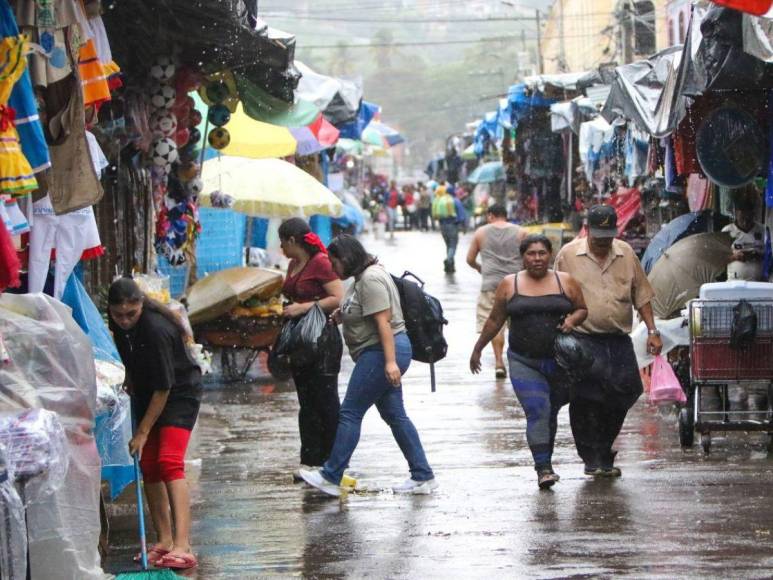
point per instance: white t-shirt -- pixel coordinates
(753, 240)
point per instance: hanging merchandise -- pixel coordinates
(162, 96)
(219, 138)
(218, 115)
(9, 261)
(16, 175)
(195, 187)
(163, 123)
(163, 69)
(92, 74)
(164, 153)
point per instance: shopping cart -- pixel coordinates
(715, 366)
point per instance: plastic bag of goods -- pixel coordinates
(665, 388)
(304, 349)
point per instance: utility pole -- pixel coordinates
(561, 43)
(539, 41)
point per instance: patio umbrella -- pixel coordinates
(488, 173)
(268, 188)
(219, 293)
(390, 135)
(257, 140)
(684, 267)
(307, 142)
(675, 230)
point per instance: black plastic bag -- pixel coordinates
(305, 336)
(572, 356)
(331, 348)
(744, 328)
(279, 356)
(283, 342)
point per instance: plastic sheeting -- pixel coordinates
(86, 315)
(52, 368)
(758, 37)
(339, 99)
(562, 82)
(674, 332)
(13, 528)
(642, 92)
(571, 114)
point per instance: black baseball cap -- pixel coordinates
(602, 221)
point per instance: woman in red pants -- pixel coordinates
(165, 386)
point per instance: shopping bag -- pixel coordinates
(665, 387)
(303, 346)
(331, 349)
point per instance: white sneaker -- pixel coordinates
(416, 487)
(297, 473)
(314, 478)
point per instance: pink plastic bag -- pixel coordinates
(665, 388)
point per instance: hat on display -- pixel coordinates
(602, 221)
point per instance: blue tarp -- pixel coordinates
(354, 129)
(86, 314)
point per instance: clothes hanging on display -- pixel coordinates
(9, 260)
(74, 236)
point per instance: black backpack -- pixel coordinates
(424, 321)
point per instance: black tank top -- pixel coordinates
(534, 321)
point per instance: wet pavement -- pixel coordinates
(672, 514)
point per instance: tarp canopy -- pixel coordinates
(758, 37)
(569, 115)
(262, 106)
(643, 92)
(251, 138)
(562, 81)
(339, 99)
(216, 36)
(354, 129)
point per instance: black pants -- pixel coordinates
(318, 415)
(595, 426)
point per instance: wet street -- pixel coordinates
(672, 514)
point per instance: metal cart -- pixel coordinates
(234, 336)
(714, 364)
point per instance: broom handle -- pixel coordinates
(140, 514)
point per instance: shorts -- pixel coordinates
(485, 306)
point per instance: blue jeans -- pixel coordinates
(369, 386)
(450, 233)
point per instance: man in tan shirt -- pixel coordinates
(614, 285)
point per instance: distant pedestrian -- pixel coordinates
(498, 244)
(444, 211)
(539, 303)
(374, 332)
(393, 201)
(424, 207)
(614, 284)
(311, 280)
(165, 387)
(461, 212)
(409, 208)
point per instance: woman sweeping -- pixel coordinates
(311, 280)
(374, 332)
(540, 303)
(165, 386)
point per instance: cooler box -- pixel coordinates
(737, 290)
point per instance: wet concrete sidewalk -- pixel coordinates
(672, 514)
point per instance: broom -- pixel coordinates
(145, 573)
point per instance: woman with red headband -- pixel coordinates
(310, 279)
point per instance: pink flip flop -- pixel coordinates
(182, 562)
(154, 555)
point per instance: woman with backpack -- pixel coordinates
(374, 332)
(310, 280)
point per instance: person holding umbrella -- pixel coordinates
(614, 285)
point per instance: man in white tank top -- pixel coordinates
(498, 245)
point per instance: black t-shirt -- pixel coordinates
(157, 359)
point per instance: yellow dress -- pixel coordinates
(16, 176)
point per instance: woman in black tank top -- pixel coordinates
(539, 304)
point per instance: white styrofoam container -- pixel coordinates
(737, 290)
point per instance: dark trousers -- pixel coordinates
(318, 415)
(424, 218)
(595, 426)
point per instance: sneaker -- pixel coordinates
(547, 478)
(416, 487)
(611, 472)
(593, 470)
(297, 473)
(500, 373)
(349, 483)
(315, 479)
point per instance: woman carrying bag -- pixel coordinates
(540, 303)
(165, 386)
(310, 280)
(374, 332)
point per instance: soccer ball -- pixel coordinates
(164, 152)
(163, 123)
(219, 138)
(219, 115)
(195, 186)
(217, 92)
(163, 69)
(162, 96)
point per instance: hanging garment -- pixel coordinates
(22, 101)
(69, 238)
(19, 224)
(16, 175)
(9, 260)
(93, 78)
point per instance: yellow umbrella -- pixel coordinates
(268, 188)
(257, 140)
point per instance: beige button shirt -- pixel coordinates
(612, 289)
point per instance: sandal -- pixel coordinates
(183, 561)
(154, 554)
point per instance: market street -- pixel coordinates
(671, 514)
